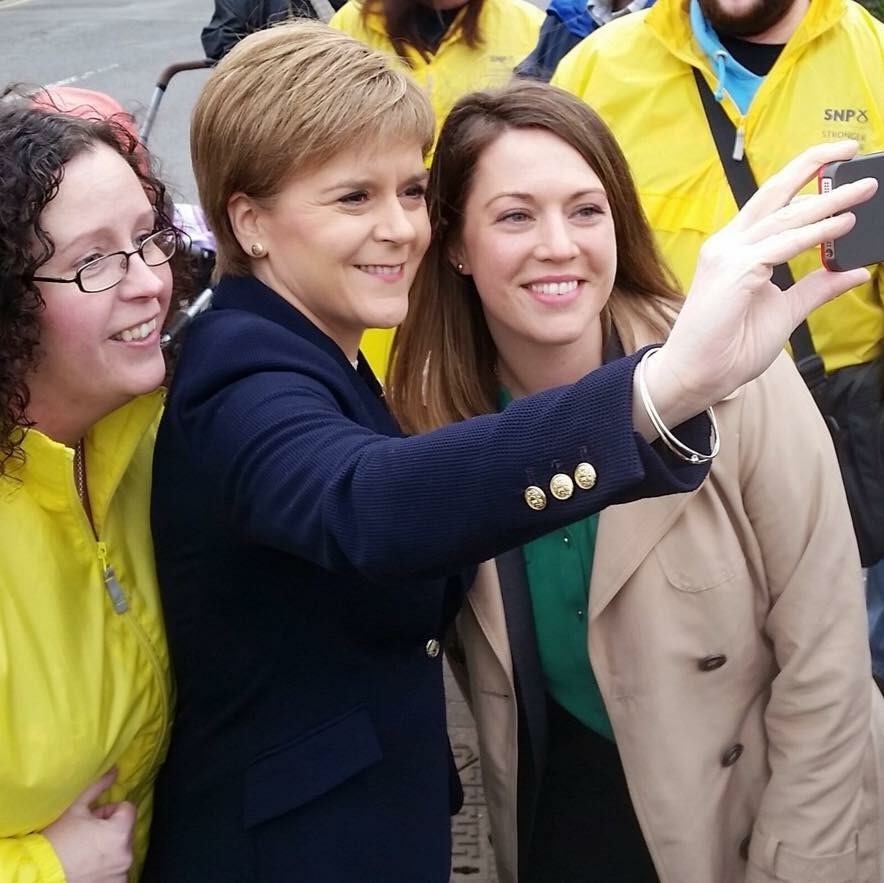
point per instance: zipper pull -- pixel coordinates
(115, 590)
(111, 583)
(738, 143)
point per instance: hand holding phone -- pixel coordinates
(864, 244)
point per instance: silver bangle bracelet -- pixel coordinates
(679, 448)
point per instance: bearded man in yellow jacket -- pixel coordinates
(788, 73)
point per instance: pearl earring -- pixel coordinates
(460, 268)
(258, 250)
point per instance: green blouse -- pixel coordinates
(559, 567)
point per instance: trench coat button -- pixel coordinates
(432, 648)
(585, 476)
(710, 663)
(732, 755)
(561, 486)
(535, 498)
(744, 848)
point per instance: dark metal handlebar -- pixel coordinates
(160, 88)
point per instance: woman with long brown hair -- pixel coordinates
(675, 689)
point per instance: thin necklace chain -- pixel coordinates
(80, 470)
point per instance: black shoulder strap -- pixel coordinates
(739, 173)
(743, 184)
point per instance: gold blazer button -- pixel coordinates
(561, 486)
(585, 476)
(535, 498)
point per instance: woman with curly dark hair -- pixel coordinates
(85, 286)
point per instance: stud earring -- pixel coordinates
(460, 268)
(258, 250)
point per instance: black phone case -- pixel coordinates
(864, 244)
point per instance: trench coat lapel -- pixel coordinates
(519, 614)
(530, 682)
(628, 533)
(626, 536)
(501, 602)
(485, 598)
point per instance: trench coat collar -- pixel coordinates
(626, 536)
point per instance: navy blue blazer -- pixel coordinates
(309, 561)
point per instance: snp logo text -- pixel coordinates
(845, 115)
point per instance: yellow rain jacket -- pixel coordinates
(509, 30)
(827, 85)
(84, 671)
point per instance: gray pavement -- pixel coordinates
(472, 859)
(118, 47)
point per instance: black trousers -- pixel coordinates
(585, 829)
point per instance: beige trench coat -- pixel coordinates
(758, 566)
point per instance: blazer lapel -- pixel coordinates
(626, 536)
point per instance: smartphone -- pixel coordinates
(864, 244)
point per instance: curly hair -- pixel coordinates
(36, 144)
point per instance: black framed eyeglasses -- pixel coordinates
(110, 269)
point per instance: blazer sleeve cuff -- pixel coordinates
(663, 469)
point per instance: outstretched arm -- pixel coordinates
(293, 472)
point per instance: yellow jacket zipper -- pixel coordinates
(111, 583)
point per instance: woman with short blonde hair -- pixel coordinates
(249, 133)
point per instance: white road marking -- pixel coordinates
(77, 77)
